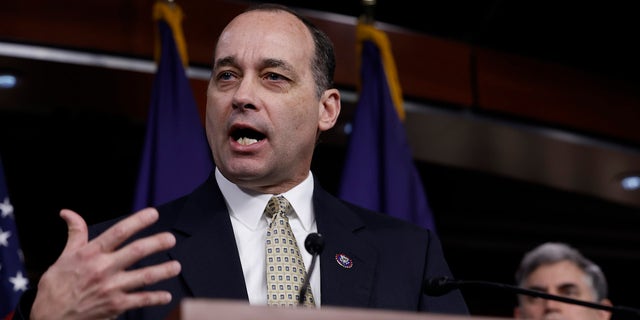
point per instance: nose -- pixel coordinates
(244, 106)
(244, 97)
(553, 305)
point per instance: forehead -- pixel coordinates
(557, 274)
(265, 34)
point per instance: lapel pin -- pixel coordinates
(344, 261)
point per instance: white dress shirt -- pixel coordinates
(250, 229)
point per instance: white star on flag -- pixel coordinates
(19, 282)
(4, 238)
(6, 208)
(13, 278)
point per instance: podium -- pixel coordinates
(209, 309)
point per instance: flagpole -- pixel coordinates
(171, 3)
(368, 8)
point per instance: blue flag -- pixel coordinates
(176, 156)
(13, 278)
(379, 172)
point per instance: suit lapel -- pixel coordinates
(347, 282)
(208, 248)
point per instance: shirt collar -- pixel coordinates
(248, 206)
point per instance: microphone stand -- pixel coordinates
(314, 243)
(439, 286)
(538, 294)
(305, 285)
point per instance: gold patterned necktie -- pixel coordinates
(285, 268)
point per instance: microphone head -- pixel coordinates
(314, 243)
(438, 286)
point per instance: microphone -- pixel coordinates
(314, 243)
(441, 285)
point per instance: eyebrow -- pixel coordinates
(537, 288)
(226, 61)
(562, 286)
(568, 286)
(266, 63)
(276, 63)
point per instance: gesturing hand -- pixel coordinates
(89, 280)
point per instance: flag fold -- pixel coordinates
(379, 172)
(176, 156)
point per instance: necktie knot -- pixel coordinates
(277, 205)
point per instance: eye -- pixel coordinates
(274, 77)
(226, 75)
(570, 291)
(532, 300)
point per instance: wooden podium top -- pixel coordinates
(207, 309)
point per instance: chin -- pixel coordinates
(240, 171)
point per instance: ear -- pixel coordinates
(329, 109)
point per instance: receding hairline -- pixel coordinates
(323, 62)
(274, 9)
(268, 8)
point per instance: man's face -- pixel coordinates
(263, 111)
(562, 279)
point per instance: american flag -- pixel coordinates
(13, 279)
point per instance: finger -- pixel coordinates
(139, 278)
(144, 299)
(112, 306)
(123, 230)
(138, 249)
(77, 234)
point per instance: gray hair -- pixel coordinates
(552, 252)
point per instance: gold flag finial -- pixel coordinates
(171, 13)
(368, 7)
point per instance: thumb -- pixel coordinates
(77, 235)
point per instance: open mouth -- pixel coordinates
(246, 136)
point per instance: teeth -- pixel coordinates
(246, 141)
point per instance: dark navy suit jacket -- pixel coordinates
(390, 258)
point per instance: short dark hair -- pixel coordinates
(324, 60)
